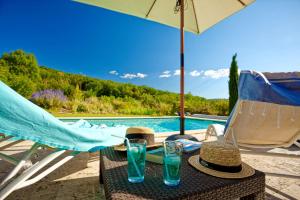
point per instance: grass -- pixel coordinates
(57, 114)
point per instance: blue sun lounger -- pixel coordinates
(266, 115)
(20, 119)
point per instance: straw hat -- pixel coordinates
(221, 160)
(139, 133)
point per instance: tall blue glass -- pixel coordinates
(172, 162)
(136, 156)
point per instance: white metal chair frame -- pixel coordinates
(13, 182)
(261, 150)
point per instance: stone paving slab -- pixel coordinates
(78, 179)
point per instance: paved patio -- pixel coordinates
(78, 179)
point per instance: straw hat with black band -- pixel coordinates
(221, 160)
(139, 133)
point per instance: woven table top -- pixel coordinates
(193, 185)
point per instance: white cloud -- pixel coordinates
(165, 74)
(114, 72)
(196, 73)
(216, 74)
(176, 72)
(140, 75)
(132, 76)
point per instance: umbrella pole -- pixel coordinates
(181, 135)
(181, 67)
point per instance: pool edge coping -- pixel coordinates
(160, 117)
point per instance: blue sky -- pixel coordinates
(78, 38)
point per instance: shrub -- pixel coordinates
(82, 108)
(49, 98)
(23, 85)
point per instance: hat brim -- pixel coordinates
(245, 172)
(122, 147)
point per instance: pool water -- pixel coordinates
(157, 124)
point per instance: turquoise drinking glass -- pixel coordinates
(136, 156)
(172, 162)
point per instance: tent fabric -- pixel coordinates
(25, 120)
(199, 15)
(267, 113)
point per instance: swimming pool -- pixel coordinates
(169, 124)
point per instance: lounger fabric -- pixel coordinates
(277, 88)
(268, 110)
(23, 119)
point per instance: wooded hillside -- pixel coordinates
(63, 92)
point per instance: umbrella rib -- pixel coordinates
(195, 17)
(150, 8)
(242, 3)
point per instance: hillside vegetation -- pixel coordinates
(61, 92)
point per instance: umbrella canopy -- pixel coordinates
(199, 14)
(194, 16)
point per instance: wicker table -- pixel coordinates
(194, 184)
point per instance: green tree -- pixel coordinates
(21, 63)
(3, 73)
(23, 85)
(233, 83)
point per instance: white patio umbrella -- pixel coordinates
(194, 16)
